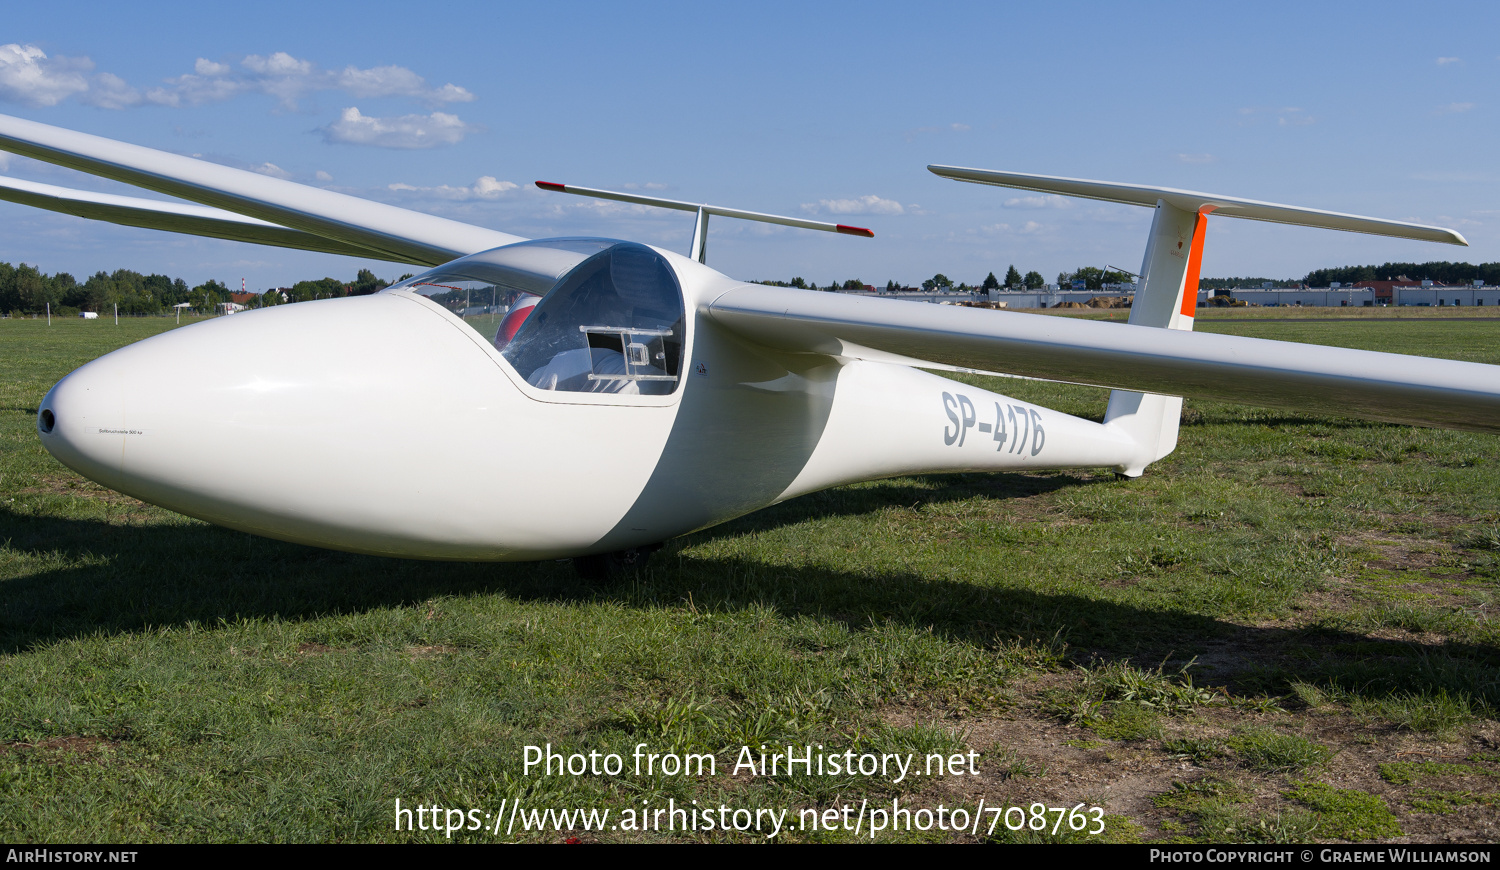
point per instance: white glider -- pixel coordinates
(652, 395)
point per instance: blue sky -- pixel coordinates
(829, 110)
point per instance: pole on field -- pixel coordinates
(117, 314)
(49, 313)
(179, 315)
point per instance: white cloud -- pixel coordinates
(870, 204)
(1030, 227)
(486, 187)
(195, 90)
(959, 127)
(272, 170)
(1196, 158)
(1453, 108)
(1444, 61)
(278, 64)
(397, 81)
(650, 185)
(322, 176)
(606, 208)
(405, 131)
(1044, 201)
(28, 76)
(109, 91)
(290, 79)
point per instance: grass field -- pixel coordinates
(1284, 632)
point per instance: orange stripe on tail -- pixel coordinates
(1195, 263)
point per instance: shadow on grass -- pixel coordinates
(925, 490)
(145, 576)
(137, 578)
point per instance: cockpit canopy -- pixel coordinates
(609, 318)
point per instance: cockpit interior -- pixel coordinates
(570, 315)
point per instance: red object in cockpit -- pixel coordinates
(512, 322)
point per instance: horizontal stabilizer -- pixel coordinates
(175, 217)
(1194, 202)
(1318, 380)
(391, 233)
(718, 210)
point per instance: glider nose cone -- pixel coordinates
(366, 424)
(276, 421)
(82, 421)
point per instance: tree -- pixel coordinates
(1094, 278)
(1012, 277)
(324, 288)
(26, 290)
(208, 294)
(937, 282)
(1034, 280)
(990, 283)
(366, 283)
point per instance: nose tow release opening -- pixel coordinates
(47, 421)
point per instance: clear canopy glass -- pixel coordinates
(572, 315)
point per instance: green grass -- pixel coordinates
(1218, 809)
(1409, 772)
(166, 680)
(1347, 813)
(1271, 751)
(1446, 802)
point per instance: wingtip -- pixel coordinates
(854, 231)
(552, 185)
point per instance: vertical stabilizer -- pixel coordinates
(1167, 298)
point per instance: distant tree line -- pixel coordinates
(1231, 283)
(1095, 278)
(802, 284)
(1441, 271)
(24, 289)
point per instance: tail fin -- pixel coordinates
(1168, 294)
(1167, 298)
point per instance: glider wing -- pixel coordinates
(386, 231)
(1322, 380)
(176, 217)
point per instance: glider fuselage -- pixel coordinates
(385, 424)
